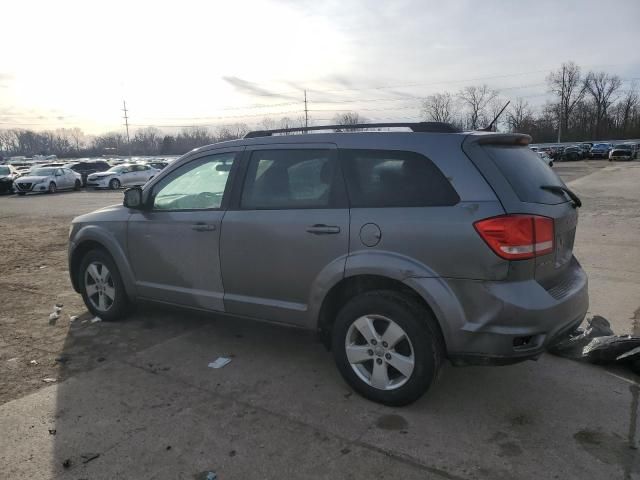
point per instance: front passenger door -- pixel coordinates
(174, 244)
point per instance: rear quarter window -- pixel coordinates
(526, 172)
(392, 178)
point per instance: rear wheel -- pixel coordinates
(101, 285)
(387, 347)
(77, 185)
(114, 184)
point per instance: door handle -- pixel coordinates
(203, 227)
(321, 229)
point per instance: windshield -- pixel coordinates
(601, 145)
(42, 172)
(5, 171)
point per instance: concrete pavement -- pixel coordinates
(281, 410)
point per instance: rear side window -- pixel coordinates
(283, 179)
(526, 173)
(390, 178)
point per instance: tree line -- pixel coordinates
(589, 106)
(584, 106)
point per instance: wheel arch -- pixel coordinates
(351, 286)
(91, 238)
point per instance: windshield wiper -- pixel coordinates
(577, 203)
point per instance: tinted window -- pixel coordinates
(387, 178)
(526, 173)
(198, 185)
(289, 179)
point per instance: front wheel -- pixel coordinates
(52, 188)
(114, 184)
(101, 285)
(387, 347)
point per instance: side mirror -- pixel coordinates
(133, 198)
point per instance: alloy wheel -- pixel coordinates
(379, 352)
(99, 286)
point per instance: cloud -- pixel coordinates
(250, 88)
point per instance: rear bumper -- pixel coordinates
(508, 322)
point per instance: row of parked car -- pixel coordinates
(53, 177)
(623, 151)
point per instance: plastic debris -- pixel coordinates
(14, 359)
(220, 362)
(96, 320)
(53, 318)
(52, 431)
(211, 476)
(49, 380)
(73, 318)
(598, 344)
(57, 308)
(33, 362)
(42, 266)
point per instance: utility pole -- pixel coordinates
(126, 123)
(306, 111)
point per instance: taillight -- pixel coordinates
(517, 237)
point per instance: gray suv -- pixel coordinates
(400, 249)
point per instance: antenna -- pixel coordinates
(489, 128)
(126, 123)
(306, 111)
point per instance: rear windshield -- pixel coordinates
(526, 172)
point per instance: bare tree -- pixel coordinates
(519, 115)
(348, 118)
(439, 107)
(601, 87)
(476, 100)
(627, 107)
(566, 84)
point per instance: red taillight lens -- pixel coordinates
(517, 237)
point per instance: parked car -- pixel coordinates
(572, 153)
(586, 148)
(47, 179)
(545, 158)
(399, 248)
(621, 152)
(157, 164)
(600, 150)
(86, 168)
(23, 169)
(122, 176)
(8, 174)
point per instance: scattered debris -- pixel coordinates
(53, 318)
(100, 359)
(33, 362)
(87, 457)
(42, 266)
(232, 453)
(598, 344)
(59, 305)
(220, 362)
(168, 447)
(49, 380)
(96, 320)
(14, 359)
(73, 318)
(66, 463)
(52, 431)
(344, 451)
(211, 476)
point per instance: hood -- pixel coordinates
(32, 179)
(113, 213)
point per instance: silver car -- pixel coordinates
(401, 249)
(125, 175)
(47, 180)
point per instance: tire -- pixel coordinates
(77, 186)
(114, 308)
(114, 184)
(52, 188)
(421, 342)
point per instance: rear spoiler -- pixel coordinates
(499, 139)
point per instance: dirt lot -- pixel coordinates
(139, 393)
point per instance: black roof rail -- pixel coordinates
(424, 127)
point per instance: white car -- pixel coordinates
(122, 176)
(47, 179)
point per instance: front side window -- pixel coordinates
(391, 178)
(282, 179)
(198, 185)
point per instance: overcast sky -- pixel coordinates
(67, 63)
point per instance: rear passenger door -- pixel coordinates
(287, 227)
